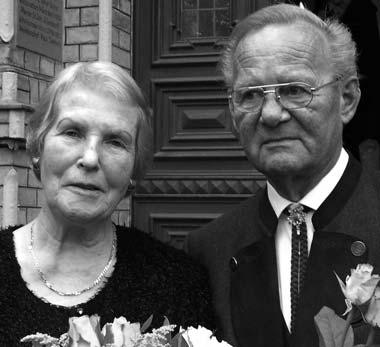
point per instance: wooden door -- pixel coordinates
(200, 170)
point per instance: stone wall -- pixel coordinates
(24, 75)
(81, 21)
(121, 33)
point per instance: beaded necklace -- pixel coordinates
(78, 292)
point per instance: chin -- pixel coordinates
(78, 217)
(83, 213)
(282, 166)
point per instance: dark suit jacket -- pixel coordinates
(245, 288)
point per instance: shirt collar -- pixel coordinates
(315, 197)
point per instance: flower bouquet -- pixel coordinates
(361, 293)
(84, 331)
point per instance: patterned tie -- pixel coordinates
(296, 218)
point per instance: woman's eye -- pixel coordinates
(72, 133)
(117, 143)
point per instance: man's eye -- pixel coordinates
(250, 95)
(293, 90)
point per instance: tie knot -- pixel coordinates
(296, 214)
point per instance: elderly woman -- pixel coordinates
(89, 136)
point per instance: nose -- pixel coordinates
(272, 112)
(89, 158)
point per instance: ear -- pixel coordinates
(233, 119)
(130, 189)
(35, 161)
(350, 98)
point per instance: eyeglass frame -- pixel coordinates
(278, 98)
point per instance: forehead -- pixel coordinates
(282, 53)
(96, 108)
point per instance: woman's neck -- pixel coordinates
(63, 235)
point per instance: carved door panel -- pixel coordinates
(200, 170)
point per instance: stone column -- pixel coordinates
(31, 38)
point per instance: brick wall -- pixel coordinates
(121, 55)
(81, 21)
(121, 33)
(29, 75)
(34, 72)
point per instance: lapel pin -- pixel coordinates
(233, 264)
(358, 248)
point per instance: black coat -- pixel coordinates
(245, 288)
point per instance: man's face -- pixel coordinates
(302, 142)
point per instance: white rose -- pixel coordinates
(82, 331)
(124, 333)
(360, 286)
(201, 337)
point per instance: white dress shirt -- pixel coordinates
(312, 199)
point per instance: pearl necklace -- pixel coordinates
(78, 292)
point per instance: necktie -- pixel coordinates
(296, 218)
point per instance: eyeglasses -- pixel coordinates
(291, 95)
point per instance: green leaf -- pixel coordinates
(147, 324)
(166, 321)
(95, 323)
(331, 328)
(109, 338)
(178, 341)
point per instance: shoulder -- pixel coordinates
(219, 239)
(163, 278)
(6, 238)
(8, 264)
(10, 229)
(369, 182)
(155, 254)
(230, 221)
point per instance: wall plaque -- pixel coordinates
(40, 27)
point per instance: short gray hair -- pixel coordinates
(111, 80)
(341, 46)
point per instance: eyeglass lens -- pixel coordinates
(291, 96)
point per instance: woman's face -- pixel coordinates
(88, 156)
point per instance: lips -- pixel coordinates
(86, 186)
(274, 140)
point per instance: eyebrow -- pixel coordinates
(115, 132)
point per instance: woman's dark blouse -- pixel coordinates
(149, 278)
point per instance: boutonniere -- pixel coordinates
(362, 293)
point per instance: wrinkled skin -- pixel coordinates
(88, 157)
(293, 148)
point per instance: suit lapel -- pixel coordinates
(330, 252)
(341, 194)
(255, 307)
(256, 313)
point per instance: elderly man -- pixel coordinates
(293, 85)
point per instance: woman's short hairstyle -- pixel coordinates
(341, 47)
(104, 77)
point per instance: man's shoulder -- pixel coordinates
(369, 183)
(241, 212)
(231, 227)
